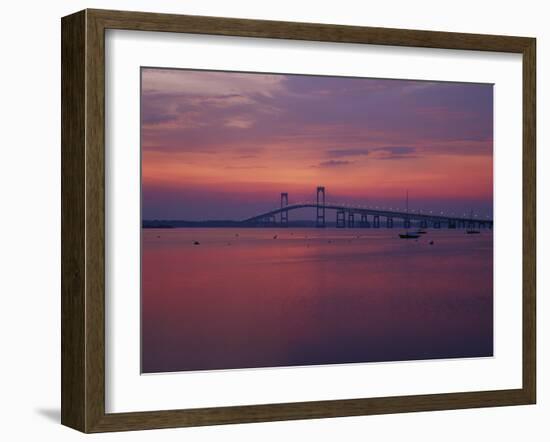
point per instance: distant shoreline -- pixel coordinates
(174, 224)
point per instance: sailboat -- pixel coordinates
(420, 230)
(407, 234)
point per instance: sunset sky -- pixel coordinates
(222, 145)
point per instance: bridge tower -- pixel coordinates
(284, 213)
(320, 222)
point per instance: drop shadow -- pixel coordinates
(51, 414)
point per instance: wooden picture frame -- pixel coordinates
(83, 220)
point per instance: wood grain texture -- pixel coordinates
(144, 21)
(95, 222)
(529, 220)
(73, 128)
(83, 220)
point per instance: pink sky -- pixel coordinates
(219, 145)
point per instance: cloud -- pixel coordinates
(210, 83)
(180, 100)
(460, 148)
(226, 100)
(397, 150)
(337, 153)
(238, 122)
(394, 152)
(244, 167)
(154, 118)
(321, 118)
(334, 163)
(398, 157)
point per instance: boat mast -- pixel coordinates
(407, 210)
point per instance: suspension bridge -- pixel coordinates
(366, 217)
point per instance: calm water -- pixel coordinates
(312, 296)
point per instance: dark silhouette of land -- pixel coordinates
(172, 224)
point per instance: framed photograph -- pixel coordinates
(269, 220)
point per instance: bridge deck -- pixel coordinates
(370, 211)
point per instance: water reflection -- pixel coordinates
(281, 297)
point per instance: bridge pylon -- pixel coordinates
(284, 213)
(320, 222)
(340, 218)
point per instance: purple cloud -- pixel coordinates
(334, 163)
(347, 152)
(395, 152)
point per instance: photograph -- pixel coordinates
(303, 220)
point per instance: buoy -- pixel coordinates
(196, 243)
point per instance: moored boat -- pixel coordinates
(408, 235)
